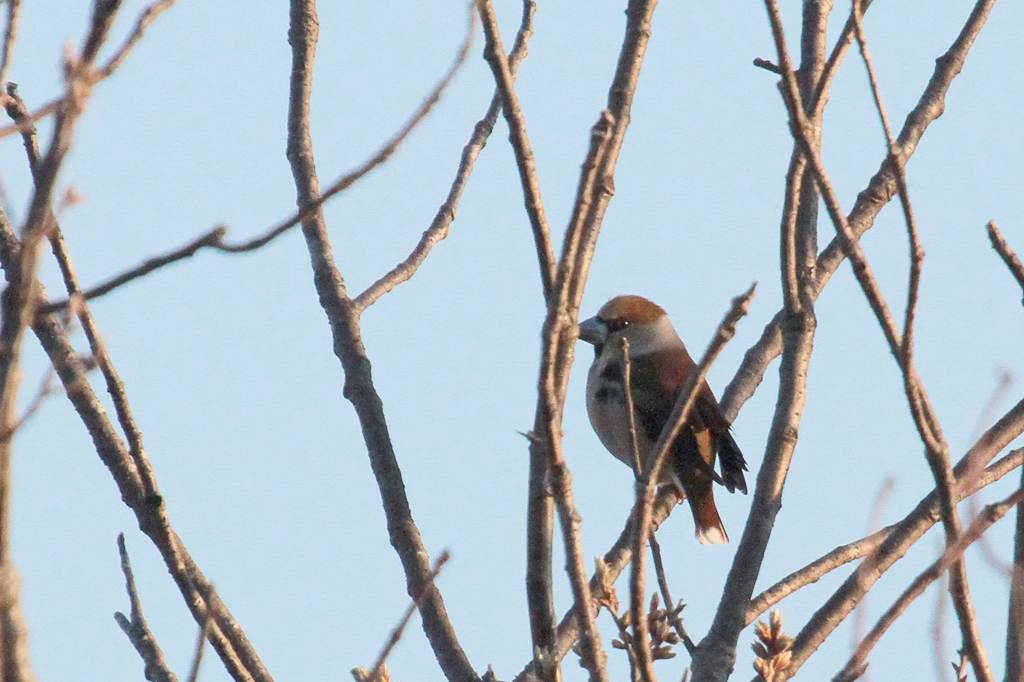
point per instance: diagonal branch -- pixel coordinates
(922, 517)
(136, 478)
(879, 190)
(855, 667)
(936, 449)
(137, 629)
(439, 226)
(343, 317)
(1011, 259)
(494, 53)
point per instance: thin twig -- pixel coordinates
(610, 566)
(913, 234)
(870, 201)
(197, 653)
(10, 37)
(907, 532)
(143, 22)
(936, 449)
(47, 387)
(1015, 621)
(1011, 259)
(766, 65)
(396, 633)
(494, 53)
(213, 238)
(920, 519)
(559, 334)
(642, 661)
(343, 318)
(155, 521)
(666, 595)
(439, 226)
(860, 614)
(982, 523)
(309, 210)
(137, 629)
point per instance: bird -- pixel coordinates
(659, 367)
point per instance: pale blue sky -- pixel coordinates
(228, 363)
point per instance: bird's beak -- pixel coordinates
(593, 331)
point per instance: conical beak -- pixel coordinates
(593, 331)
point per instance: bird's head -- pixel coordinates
(639, 320)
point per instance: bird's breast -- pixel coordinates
(606, 407)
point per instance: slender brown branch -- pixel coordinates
(157, 525)
(921, 518)
(879, 190)
(343, 318)
(612, 563)
(819, 98)
(767, 65)
(906, 533)
(716, 653)
(913, 236)
(396, 633)
(46, 388)
(860, 614)
(213, 238)
(143, 22)
(559, 334)
(10, 37)
(666, 595)
(494, 53)
(440, 225)
(936, 449)
(1015, 622)
(197, 652)
(309, 211)
(137, 629)
(992, 513)
(1011, 259)
(643, 663)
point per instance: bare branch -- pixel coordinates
(716, 653)
(920, 519)
(936, 449)
(396, 633)
(1011, 259)
(308, 211)
(197, 653)
(611, 565)
(766, 65)
(343, 317)
(143, 22)
(10, 37)
(442, 221)
(666, 595)
(992, 513)
(906, 533)
(494, 53)
(213, 238)
(880, 189)
(137, 629)
(1015, 622)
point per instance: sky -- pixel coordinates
(227, 359)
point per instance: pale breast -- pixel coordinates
(606, 407)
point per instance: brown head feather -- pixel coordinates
(633, 309)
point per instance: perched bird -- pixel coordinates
(659, 367)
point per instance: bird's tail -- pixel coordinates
(709, 527)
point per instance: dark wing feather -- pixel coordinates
(664, 378)
(656, 383)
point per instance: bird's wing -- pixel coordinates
(657, 379)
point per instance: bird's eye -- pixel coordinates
(618, 324)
